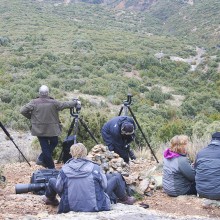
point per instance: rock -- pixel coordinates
(143, 186)
(210, 203)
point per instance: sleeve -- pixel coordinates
(186, 169)
(63, 105)
(60, 182)
(27, 109)
(104, 180)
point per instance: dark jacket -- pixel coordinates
(178, 174)
(207, 167)
(44, 115)
(81, 184)
(111, 134)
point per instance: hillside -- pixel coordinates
(92, 49)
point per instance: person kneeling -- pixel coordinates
(82, 185)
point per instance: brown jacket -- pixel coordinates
(44, 115)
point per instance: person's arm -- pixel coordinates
(27, 109)
(75, 103)
(186, 169)
(104, 180)
(60, 182)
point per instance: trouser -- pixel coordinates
(192, 190)
(116, 187)
(51, 191)
(48, 145)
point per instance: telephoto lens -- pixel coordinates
(25, 188)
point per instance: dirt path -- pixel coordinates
(193, 61)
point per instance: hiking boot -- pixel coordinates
(128, 200)
(41, 163)
(48, 201)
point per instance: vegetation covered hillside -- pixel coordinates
(110, 53)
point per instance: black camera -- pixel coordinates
(38, 183)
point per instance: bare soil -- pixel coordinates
(15, 206)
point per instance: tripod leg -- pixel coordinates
(120, 111)
(68, 134)
(87, 129)
(142, 133)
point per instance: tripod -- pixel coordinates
(126, 107)
(71, 139)
(9, 136)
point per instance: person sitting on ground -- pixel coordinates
(207, 166)
(43, 113)
(117, 134)
(178, 173)
(83, 186)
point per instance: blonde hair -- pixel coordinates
(78, 151)
(179, 143)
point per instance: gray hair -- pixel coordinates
(44, 90)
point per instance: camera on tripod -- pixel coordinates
(78, 106)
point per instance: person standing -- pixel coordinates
(117, 134)
(207, 166)
(178, 174)
(83, 186)
(43, 113)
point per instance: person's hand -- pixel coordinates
(78, 105)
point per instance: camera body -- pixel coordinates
(38, 183)
(78, 104)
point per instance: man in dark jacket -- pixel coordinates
(45, 124)
(207, 166)
(117, 134)
(83, 187)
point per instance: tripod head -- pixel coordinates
(128, 101)
(74, 113)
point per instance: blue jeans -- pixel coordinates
(116, 187)
(48, 145)
(51, 190)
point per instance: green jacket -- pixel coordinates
(44, 115)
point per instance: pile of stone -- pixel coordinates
(108, 160)
(136, 175)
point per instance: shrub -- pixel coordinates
(4, 41)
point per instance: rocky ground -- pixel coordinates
(29, 206)
(161, 206)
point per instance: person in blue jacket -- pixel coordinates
(117, 134)
(207, 166)
(83, 186)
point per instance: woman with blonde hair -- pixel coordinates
(178, 174)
